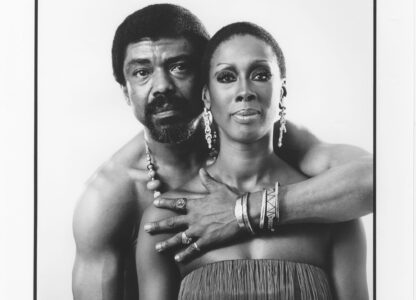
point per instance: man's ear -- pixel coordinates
(206, 97)
(126, 94)
(284, 89)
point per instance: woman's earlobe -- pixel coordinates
(206, 97)
(284, 89)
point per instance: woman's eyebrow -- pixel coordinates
(226, 67)
(260, 61)
(221, 63)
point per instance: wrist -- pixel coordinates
(284, 209)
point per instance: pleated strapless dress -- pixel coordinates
(256, 279)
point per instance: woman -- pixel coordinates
(244, 72)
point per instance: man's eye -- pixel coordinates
(262, 76)
(226, 77)
(180, 67)
(141, 73)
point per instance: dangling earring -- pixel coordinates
(282, 115)
(207, 122)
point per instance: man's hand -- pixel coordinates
(209, 218)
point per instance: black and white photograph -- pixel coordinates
(273, 100)
(205, 150)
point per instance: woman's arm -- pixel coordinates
(348, 261)
(157, 274)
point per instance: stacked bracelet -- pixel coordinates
(270, 213)
(245, 213)
(238, 212)
(263, 209)
(241, 213)
(276, 193)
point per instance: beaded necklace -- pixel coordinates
(151, 172)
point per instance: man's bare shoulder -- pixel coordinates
(130, 153)
(109, 205)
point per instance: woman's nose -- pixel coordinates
(245, 93)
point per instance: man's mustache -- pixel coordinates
(165, 103)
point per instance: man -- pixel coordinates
(156, 54)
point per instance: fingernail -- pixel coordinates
(158, 247)
(177, 258)
(147, 227)
(156, 202)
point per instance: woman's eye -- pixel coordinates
(262, 76)
(225, 77)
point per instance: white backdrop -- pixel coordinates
(83, 118)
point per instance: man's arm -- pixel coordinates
(348, 261)
(158, 276)
(340, 189)
(341, 183)
(103, 223)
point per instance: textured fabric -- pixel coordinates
(256, 279)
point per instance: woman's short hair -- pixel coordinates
(154, 22)
(241, 28)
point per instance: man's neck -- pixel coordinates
(245, 166)
(181, 155)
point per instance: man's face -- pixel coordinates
(162, 86)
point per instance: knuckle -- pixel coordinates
(177, 238)
(154, 226)
(170, 223)
(162, 245)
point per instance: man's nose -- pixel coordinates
(162, 83)
(245, 92)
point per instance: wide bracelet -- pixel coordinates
(263, 210)
(270, 208)
(238, 212)
(270, 212)
(245, 213)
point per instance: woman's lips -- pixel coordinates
(246, 115)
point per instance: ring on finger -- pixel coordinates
(196, 247)
(186, 240)
(181, 203)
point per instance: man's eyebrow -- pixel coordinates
(186, 57)
(138, 61)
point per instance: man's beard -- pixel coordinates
(172, 130)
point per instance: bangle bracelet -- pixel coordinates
(245, 213)
(263, 209)
(270, 208)
(276, 192)
(238, 212)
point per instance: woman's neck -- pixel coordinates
(245, 166)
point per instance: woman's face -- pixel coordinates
(244, 88)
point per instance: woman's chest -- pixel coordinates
(306, 243)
